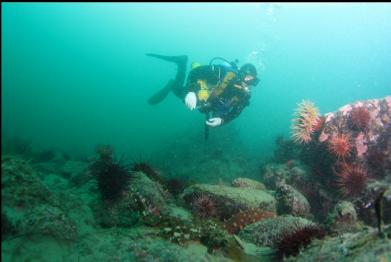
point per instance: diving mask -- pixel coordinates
(251, 80)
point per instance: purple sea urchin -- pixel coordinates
(351, 180)
(360, 118)
(204, 206)
(112, 177)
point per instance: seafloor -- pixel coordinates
(323, 196)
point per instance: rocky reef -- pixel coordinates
(323, 197)
(347, 153)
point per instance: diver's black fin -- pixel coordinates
(176, 59)
(161, 95)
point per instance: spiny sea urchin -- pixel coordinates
(351, 180)
(204, 206)
(360, 118)
(340, 145)
(112, 177)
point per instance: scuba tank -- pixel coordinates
(233, 64)
(223, 69)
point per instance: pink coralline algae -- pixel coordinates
(323, 137)
(360, 145)
(366, 122)
(328, 116)
(359, 104)
(345, 109)
(388, 100)
(360, 117)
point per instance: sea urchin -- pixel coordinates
(340, 145)
(360, 118)
(351, 180)
(112, 177)
(204, 206)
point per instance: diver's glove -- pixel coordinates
(213, 122)
(191, 100)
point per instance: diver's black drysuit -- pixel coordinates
(225, 96)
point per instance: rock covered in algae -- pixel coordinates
(343, 218)
(247, 182)
(230, 200)
(367, 127)
(362, 246)
(291, 172)
(142, 196)
(29, 205)
(113, 244)
(291, 201)
(269, 232)
(148, 191)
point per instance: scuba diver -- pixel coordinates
(219, 91)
